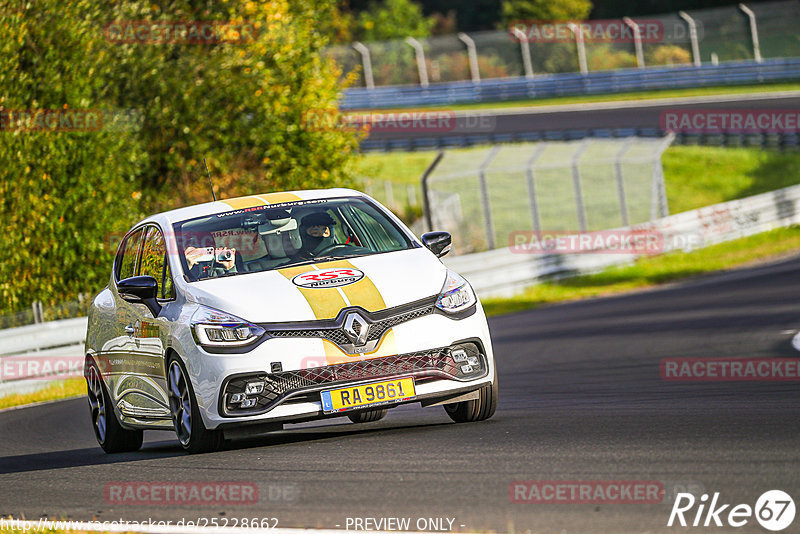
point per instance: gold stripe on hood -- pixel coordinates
(325, 302)
(259, 200)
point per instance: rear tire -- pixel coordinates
(478, 409)
(192, 433)
(110, 434)
(368, 416)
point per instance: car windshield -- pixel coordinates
(275, 236)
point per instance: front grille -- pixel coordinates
(379, 323)
(284, 385)
(331, 334)
(377, 329)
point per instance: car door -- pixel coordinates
(145, 394)
(118, 347)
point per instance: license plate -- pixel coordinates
(374, 394)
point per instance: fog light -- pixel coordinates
(254, 388)
(248, 403)
(473, 360)
(459, 355)
(467, 369)
(237, 397)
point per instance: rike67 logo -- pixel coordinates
(774, 510)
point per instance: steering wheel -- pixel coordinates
(330, 248)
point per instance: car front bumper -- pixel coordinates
(212, 374)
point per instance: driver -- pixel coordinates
(316, 232)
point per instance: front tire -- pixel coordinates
(367, 416)
(186, 419)
(110, 434)
(478, 409)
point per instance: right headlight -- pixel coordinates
(456, 294)
(214, 328)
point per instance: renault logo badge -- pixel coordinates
(356, 328)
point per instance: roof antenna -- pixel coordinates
(209, 180)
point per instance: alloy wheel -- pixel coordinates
(179, 403)
(97, 404)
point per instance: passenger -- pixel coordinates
(201, 264)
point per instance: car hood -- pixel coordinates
(386, 280)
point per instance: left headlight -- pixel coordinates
(456, 294)
(214, 328)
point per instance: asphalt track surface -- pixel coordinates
(581, 399)
(608, 115)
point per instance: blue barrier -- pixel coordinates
(568, 84)
(784, 141)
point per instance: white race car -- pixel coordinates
(233, 317)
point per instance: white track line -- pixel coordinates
(155, 528)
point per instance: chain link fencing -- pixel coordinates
(720, 34)
(483, 196)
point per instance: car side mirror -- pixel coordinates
(437, 242)
(140, 290)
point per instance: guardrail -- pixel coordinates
(502, 272)
(781, 140)
(30, 354)
(570, 84)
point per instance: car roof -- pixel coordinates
(251, 201)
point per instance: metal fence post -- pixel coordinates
(366, 62)
(692, 36)
(421, 66)
(637, 40)
(412, 195)
(658, 200)
(623, 202)
(576, 184)
(472, 54)
(753, 31)
(387, 187)
(576, 31)
(426, 201)
(485, 203)
(535, 218)
(526, 52)
(38, 312)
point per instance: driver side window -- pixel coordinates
(128, 255)
(154, 255)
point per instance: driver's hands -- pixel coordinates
(230, 263)
(193, 255)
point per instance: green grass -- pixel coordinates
(700, 176)
(642, 95)
(653, 271)
(62, 389)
